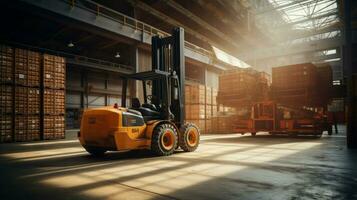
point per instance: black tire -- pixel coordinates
(253, 134)
(95, 151)
(189, 137)
(164, 139)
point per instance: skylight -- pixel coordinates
(307, 14)
(227, 58)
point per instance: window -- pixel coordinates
(132, 120)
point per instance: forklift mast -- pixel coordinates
(168, 56)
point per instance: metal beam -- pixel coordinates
(309, 19)
(201, 22)
(304, 33)
(162, 16)
(235, 22)
(293, 49)
(109, 26)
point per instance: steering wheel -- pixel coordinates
(149, 98)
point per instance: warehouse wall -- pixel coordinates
(88, 88)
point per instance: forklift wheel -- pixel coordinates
(189, 137)
(95, 151)
(164, 139)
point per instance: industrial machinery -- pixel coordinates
(277, 119)
(158, 123)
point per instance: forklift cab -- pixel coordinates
(155, 107)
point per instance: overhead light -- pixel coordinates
(70, 44)
(117, 55)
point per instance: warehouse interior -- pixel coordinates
(247, 99)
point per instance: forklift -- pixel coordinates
(158, 123)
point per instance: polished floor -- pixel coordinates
(224, 167)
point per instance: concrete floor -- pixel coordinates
(224, 167)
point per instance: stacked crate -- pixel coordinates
(53, 97)
(201, 106)
(242, 87)
(295, 84)
(195, 109)
(21, 93)
(6, 91)
(27, 95)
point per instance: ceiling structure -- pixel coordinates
(301, 30)
(262, 33)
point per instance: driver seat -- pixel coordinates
(146, 111)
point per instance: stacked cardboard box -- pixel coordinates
(295, 84)
(21, 91)
(54, 127)
(201, 106)
(53, 97)
(27, 95)
(223, 124)
(5, 128)
(241, 87)
(54, 70)
(6, 63)
(195, 105)
(6, 98)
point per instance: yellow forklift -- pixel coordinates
(157, 124)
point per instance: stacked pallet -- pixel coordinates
(27, 95)
(195, 108)
(295, 85)
(242, 87)
(6, 98)
(21, 95)
(201, 106)
(53, 97)
(222, 124)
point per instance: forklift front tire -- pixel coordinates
(164, 139)
(189, 137)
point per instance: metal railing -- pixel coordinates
(125, 20)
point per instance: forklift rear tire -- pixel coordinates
(189, 137)
(164, 139)
(94, 151)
